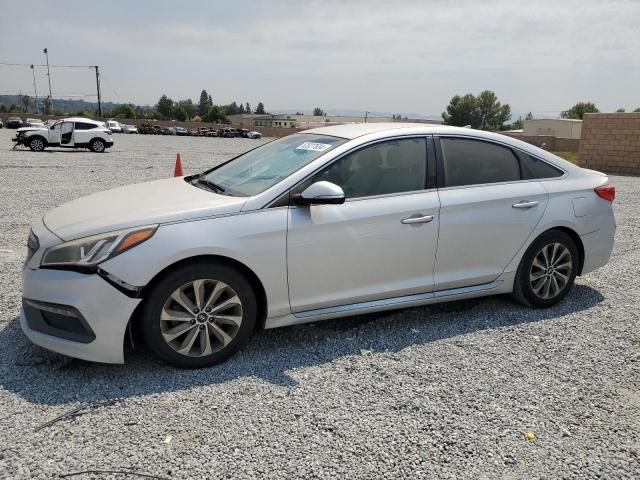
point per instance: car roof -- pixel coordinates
(80, 119)
(354, 130)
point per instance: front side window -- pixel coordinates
(475, 162)
(261, 168)
(392, 166)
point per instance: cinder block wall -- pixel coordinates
(610, 142)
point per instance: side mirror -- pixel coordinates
(321, 193)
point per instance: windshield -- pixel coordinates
(263, 167)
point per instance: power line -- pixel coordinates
(44, 65)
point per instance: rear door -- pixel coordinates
(488, 210)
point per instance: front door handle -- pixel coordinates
(419, 219)
(524, 204)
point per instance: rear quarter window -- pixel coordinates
(85, 126)
(534, 168)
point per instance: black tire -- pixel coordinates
(37, 144)
(97, 145)
(161, 293)
(524, 288)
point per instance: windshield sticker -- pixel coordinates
(316, 147)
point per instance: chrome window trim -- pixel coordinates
(353, 149)
(513, 182)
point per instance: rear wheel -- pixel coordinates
(547, 270)
(36, 144)
(97, 146)
(199, 315)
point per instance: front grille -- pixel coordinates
(60, 321)
(33, 244)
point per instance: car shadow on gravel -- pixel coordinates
(44, 377)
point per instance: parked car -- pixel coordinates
(180, 130)
(69, 132)
(227, 132)
(14, 122)
(326, 223)
(211, 132)
(34, 122)
(1, 124)
(114, 126)
(168, 131)
(254, 134)
(129, 129)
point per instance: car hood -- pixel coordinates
(31, 129)
(159, 201)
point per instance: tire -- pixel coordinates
(173, 297)
(97, 146)
(37, 144)
(539, 281)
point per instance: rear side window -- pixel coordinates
(534, 168)
(474, 162)
(85, 126)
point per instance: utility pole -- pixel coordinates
(46, 52)
(33, 70)
(98, 87)
(366, 114)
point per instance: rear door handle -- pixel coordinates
(524, 204)
(419, 219)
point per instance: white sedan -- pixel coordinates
(327, 223)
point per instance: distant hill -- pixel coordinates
(68, 105)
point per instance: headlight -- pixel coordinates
(86, 253)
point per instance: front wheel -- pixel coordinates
(199, 315)
(547, 270)
(97, 146)
(36, 144)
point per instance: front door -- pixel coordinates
(379, 244)
(66, 134)
(488, 211)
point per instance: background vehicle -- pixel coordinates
(326, 223)
(254, 134)
(114, 126)
(129, 129)
(69, 132)
(34, 122)
(180, 130)
(168, 131)
(14, 122)
(1, 124)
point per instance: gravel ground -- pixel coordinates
(447, 392)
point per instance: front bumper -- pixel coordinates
(105, 310)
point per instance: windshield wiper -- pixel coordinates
(211, 185)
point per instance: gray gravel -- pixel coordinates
(448, 392)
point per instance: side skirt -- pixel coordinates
(502, 285)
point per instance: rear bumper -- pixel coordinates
(598, 246)
(105, 310)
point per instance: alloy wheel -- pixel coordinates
(98, 146)
(550, 270)
(201, 317)
(37, 145)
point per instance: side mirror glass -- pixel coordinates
(321, 193)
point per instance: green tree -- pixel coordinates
(484, 112)
(82, 113)
(637, 110)
(205, 103)
(519, 123)
(124, 110)
(165, 107)
(247, 108)
(188, 106)
(179, 113)
(3, 108)
(215, 114)
(232, 109)
(260, 109)
(241, 109)
(579, 109)
(462, 111)
(620, 110)
(318, 112)
(46, 106)
(26, 101)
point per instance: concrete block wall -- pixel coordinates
(610, 142)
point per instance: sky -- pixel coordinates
(405, 56)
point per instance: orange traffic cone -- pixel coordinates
(178, 170)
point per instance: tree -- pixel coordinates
(46, 106)
(260, 109)
(215, 114)
(484, 111)
(637, 110)
(82, 113)
(241, 110)
(3, 108)
(579, 109)
(247, 108)
(232, 109)
(318, 112)
(179, 113)
(189, 107)
(620, 110)
(205, 103)
(124, 110)
(519, 123)
(165, 107)
(26, 100)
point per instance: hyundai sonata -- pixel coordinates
(326, 223)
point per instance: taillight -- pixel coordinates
(608, 192)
